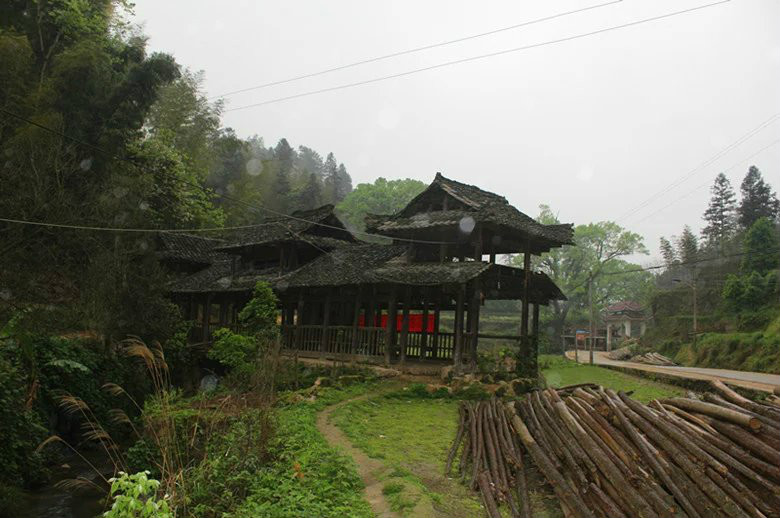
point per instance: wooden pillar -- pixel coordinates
(523, 360)
(392, 315)
(223, 320)
(492, 258)
(457, 355)
(436, 317)
(355, 327)
(533, 360)
(325, 323)
(405, 324)
(298, 322)
(206, 318)
(474, 307)
(424, 333)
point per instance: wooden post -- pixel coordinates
(492, 258)
(392, 315)
(424, 334)
(592, 318)
(523, 365)
(436, 318)
(405, 324)
(457, 356)
(206, 318)
(299, 322)
(355, 322)
(533, 361)
(325, 323)
(474, 307)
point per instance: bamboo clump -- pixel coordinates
(607, 455)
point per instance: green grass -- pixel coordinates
(307, 478)
(560, 372)
(412, 436)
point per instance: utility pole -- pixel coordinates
(695, 326)
(592, 318)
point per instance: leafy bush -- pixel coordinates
(259, 315)
(235, 351)
(134, 497)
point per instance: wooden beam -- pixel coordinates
(355, 326)
(523, 365)
(474, 307)
(405, 324)
(533, 360)
(392, 316)
(457, 355)
(424, 333)
(436, 319)
(325, 323)
(299, 321)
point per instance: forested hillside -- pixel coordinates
(96, 131)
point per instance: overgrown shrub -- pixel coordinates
(134, 496)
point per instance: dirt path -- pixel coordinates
(751, 380)
(370, 470)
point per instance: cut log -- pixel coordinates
(715, 411)
(562, 488)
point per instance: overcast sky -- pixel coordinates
(593, 127)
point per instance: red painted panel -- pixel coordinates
(415, 322)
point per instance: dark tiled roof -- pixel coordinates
(625, 305)
(344, 266)
(387, 264)
(218, 278)
(288, 228)
(188, 248)
(481, 206)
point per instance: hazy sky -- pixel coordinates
(593, 126)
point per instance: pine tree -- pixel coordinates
(284, 155)
(758, 200)
(668, 252)
(330, 178)
(720, 214)
(311, 195)
(343, 184)
(761, 248)
(687, 246)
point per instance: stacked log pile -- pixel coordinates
(607, 455)
(653, 359)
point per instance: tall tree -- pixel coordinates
(343, 184)
(284, 157)
(761, 248)
(668, 252)
(596, 258)
(310, 196)
(758, 200)
(719, 216)
(330, 173)
(687, 246)
(311, 161)
(381, 197)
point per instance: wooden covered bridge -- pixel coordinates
(341, 298)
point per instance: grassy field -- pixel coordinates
(411, 436)
(560, 372)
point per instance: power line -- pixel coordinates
(224, 196)
(413, 50)
(704, 164)
(707, 183)
(476, 58)
(660, 266)
(123, 229)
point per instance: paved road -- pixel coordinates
(751, 380)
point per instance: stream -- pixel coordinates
(50, 501)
